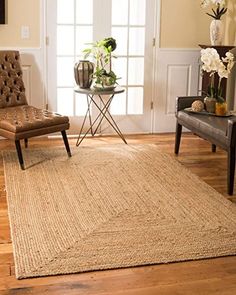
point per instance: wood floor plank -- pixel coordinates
(5, 270)
(150, 277)
(210, 276)
(6, 254)
(5, 248)
(6, 258)
(4, 230)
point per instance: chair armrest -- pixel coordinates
(186, 101)
(231, 132)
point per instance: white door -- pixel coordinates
(73, 23)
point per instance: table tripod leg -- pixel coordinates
(106, 106)
(90, 120)
(114, 125)
(80, 139)
(85, 117)
(117, 128)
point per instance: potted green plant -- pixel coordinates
(102, 54)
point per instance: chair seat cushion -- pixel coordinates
(210, 126)
(23, 118)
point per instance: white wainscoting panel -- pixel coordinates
(32, 62)
(26, 69)
(178, 81)
(177, 74)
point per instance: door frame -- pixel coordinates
(45, 33)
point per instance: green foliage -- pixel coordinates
(103, 78)
(216, 93)
(101, 52)
(110, 44)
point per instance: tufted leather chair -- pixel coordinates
(18, 120)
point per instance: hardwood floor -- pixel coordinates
(211, 276)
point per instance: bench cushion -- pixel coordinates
(24, 118)
(207, 126)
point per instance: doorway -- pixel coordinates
(71, 24)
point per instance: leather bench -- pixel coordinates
(219, 131)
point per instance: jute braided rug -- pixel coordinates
(109, 207)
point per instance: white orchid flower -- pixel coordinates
(210, 59)
(222, 71)
(228, 57)
(213, 64)
(206, 3)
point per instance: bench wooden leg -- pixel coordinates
(66, 142)
(231, 170)
(213, 148)
(178, 133)
(26, 142)
(19, 153)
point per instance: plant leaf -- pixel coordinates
(214, 12)
(211, 15)
(87, 50)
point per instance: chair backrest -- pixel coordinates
(12, 89)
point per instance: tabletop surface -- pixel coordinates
(95, 91)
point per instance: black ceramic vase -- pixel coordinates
(83, 71)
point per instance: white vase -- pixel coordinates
(216, 32)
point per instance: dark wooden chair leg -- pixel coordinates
(26, 142)
(178, 133)
(66, 142)
(213, 148)
(231, 170)
(19, 153)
